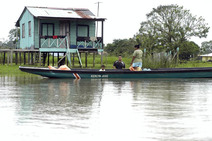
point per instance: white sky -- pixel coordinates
(123, 16)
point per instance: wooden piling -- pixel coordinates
(8, 58)
(11, 57)
(32, 56)
(20, 57)
(86, 59)
(94, 55)
(48, 59)
(4, 58)
(24, 58)
(53, 60)
(40, 58)
(58, 59)
(28, 57)
(16, 58)
(73, 59)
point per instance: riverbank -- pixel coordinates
(14, 69)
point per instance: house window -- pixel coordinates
(29, 26)
(47, 29)
(23, 30)
(82, 31)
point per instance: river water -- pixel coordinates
(39, 109)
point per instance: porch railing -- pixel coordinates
(89, 42)
(62, 42)
(54, 41)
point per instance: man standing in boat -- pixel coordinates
(119, 64)
(136, 62)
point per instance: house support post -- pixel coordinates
(16, 58)
(11, 57)
(48, 58)
(53, 60)
(58, 60)
(20, 58)
(28, 57)
(102, 42)
(73, 59)
(4, 58)
(86, 59)
(94, 59)
(33, 57)
(8, 58)
(24, 58)
(40, 58)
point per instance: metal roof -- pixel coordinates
(67, 13)
(60, 12)
(206, 55)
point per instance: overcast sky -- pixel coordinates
(123, 16)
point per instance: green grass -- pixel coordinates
(193, 64)
(12, 70)
(108, 62)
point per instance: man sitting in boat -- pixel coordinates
(119, 64)
(136, 63)
(102, 68)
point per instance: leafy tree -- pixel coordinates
(206, 47)
(167, 27)
(13, 34)
(188, 50)
(122, 47)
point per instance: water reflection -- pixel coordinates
(175, 110)
(156, 110)
(60, 102)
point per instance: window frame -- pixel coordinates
(30, 28)
(23, 30)
(82, 25)
(52, 24)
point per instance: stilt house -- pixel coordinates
(56, 30)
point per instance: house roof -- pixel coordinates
(207, 55)
(66, 13)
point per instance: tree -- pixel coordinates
(188, 50)
(122, 47)
(206, 47)
(14, 34)
(167, 27)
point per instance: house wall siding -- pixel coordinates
(206, 58)
(27, 41)
(33, 41)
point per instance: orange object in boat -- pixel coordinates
(131, 68)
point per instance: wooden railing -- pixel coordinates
(62, 42)
(89, 42)
(54, 41)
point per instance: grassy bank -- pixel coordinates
(194, 64)
(12, 70)
(108, 62)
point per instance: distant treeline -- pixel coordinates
(168, 28)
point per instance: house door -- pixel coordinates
(65, 30)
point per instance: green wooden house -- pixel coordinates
(59, 29)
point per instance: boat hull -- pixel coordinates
(96, 74)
